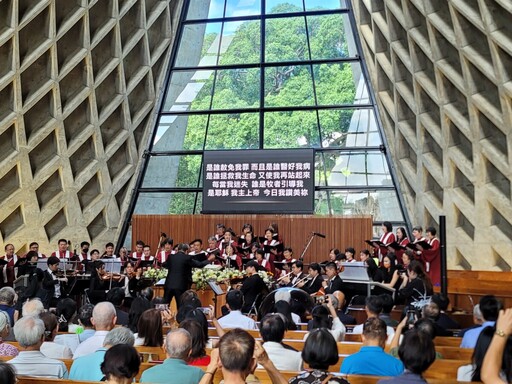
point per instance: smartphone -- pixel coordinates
(205, 310)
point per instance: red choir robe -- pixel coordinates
(432, 259)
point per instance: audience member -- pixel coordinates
(139, 306)
(7, 374)
(285, 295)
(320, 352)
(387, 307)
(284, 309)
(7, 303)
(444, 321)
(29, 332)
(150, 329)
(371, 359)
(235, 319)
(416, 284)
(84, 329)
(178, 345)
(198, 356)
(5, 348)
(272, 330)
(490, 307)
(499, 351)
(417, 353)
(478, 320)
(325, 316)
(66, 310)
(121, 364)
(236, 351)
(116, 297)
(103, 319)
(373, 308)
(87, 367)
(471, 372)
(431, 311)
(33, 307)
(49, 348)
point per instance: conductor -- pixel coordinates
(179, 274)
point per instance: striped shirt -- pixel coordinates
(34, 363)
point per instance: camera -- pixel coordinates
(321, 299)
(162, 307)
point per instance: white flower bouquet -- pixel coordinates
(155, 274)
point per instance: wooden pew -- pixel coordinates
(444, 369)
(448, 341)
(151, 353)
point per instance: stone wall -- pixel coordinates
(442, 71)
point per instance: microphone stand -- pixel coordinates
(311, 237)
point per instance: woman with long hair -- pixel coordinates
(283, 307)
(325, 316)
(149, 329)
(416, 285)
(198, 356)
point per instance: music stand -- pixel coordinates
(217, 291)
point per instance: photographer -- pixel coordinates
(325, 316)
(416, 285)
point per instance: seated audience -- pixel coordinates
(138, 307)
(116, 297)
(387, 307)
(198, 356)
(499, 351)
(320, 352)
(284, 309)
(49, 348)
(5, 348)
(150, 329)
(373, 308)
(84, 329)
(417, 353)
(66, 311)
(431, 311)
(490, 307)
(444, 320)
(272, 330)
(29, 332)
(121, 364)
(416, 284)
(471, 372)
(285, 295)
(33, 307)
(235, 319)
(478, 320)
(178, 344)
(7, 373)
(103, 319)
(371, 359)
(325, 316)
(8, 302)
(87, 367)
(424, 325)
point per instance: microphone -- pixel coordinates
(319, 235)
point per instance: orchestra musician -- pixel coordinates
(314, 284)
(131, 282)
(52, 282)
(62, 252)
(296, 275)
(333, 282)
(34, 246)
(101, 282)
(252, 287)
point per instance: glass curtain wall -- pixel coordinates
(249, 74)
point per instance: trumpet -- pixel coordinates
(303, 280)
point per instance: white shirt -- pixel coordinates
(358, 330)
(70, 340)
(55, 351)
(57, 286)
(34, 363)
(284, 359)
(235, 319)
(92, 344)
(337, 330)
(296, 318)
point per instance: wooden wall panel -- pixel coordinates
(340, 232)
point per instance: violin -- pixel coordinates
(112, 276)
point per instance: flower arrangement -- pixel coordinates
(201, 276)
(155, 274)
